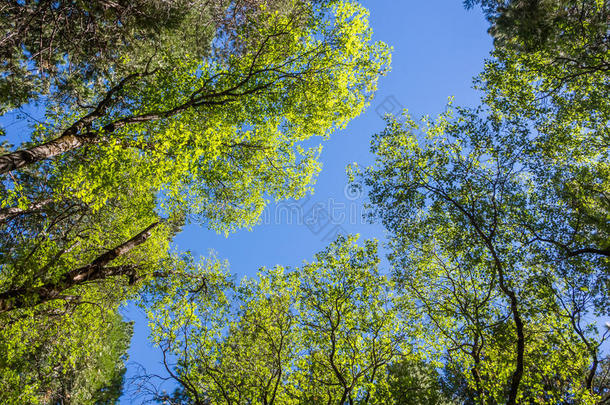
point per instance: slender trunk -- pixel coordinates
(65, 143)
(475, 370)
(514, 307)
(510, 294)
(592, 352)
(592, 372)
(96, 270)
(10, 212)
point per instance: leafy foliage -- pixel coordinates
(158, 114)
(68, 50)
(556, 25)
(207, 126)
(63, 355)
(324, 333)
(461, 197)
(214, 138)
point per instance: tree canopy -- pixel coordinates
(158, 114)
(323, 333)
(464, 208)
(174, 120)
(498, 214)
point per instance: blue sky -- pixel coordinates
(438, 47)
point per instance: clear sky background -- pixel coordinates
(438, 48)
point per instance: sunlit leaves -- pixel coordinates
(323, 333)
(463, 200)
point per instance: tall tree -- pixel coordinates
(90, 203)
(216, 136)
(550, 68)
(460, 197)
(213, 155)
(65, 354)
(350, 324)
(325, 333)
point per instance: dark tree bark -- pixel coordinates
(487, 239)
(73, 137)
(11, 212)
(96, 270)
(83, 131)
(48, 150)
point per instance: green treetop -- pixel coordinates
(324, 333)
(465, 204)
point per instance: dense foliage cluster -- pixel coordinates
(324, 333)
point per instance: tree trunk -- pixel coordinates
(10, 212)
(96, 270)
(47, 150)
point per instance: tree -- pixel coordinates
(50, 251)
(215, 136)
(90, 204)
(571, 154)
(64, 269)
(73, 355)
(460, 197)
(350, 324)
(551, 70)
(67, 49)
(200, 140)
(533, 25)
(498, 216)
(325, 333)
